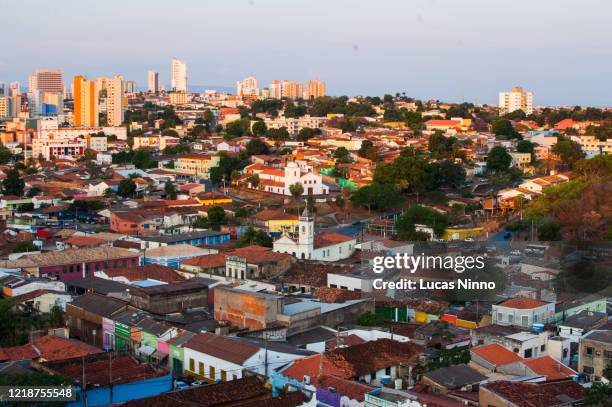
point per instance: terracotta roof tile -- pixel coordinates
(522, 303)
(496, 354)
(549, 367)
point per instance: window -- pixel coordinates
(201, 368)
(106, 265)
(510, 318)
(234, 377)
(388, 371)
(524, 320)
(97, 266)
(115, 264)
(589, 351)
(528, 353)
(211, 372)
(500, 316)
(223, 376)
(588, 369)
(543, 348)
(333, 286)
(372, 376)
(133, 262)
(191, 364)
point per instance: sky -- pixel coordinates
(452, 50)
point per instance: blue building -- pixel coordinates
(203, 237)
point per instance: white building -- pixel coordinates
(114, 101)
(278, 181)
(325, 246)
(517, 99)
(178, 75)
(523, 312)
(214, 357)
(248, 87)
(153, 80)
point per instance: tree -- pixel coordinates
(126, 188)
(5, 155)
(259, 128)
(198, 131)
(142, 159)
(23, 247)
(420, 215)
(253, 237)
(525, 146)
(503, 129)
(367, 150)
(342, 155)
(13, 184)
(377, 196)
(170, 190)
(34, 191)
(549, 231)
(216, 216)
(498, 159)
(307, 133)
(599, 394)
(296, 190)
(253, 180)
(280, 134)
(569, 151)
(237, 128)
(257, 147)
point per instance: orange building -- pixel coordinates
(85, 102)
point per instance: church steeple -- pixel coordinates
(306, 234)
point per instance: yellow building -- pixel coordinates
(277, 221)
(178, 98)
(462, 233)
(208, 198)
(198, 165)
(85, 102)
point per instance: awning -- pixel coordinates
(146, 350)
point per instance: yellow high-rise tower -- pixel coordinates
(85, 102)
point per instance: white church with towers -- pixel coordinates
(308, 245)
(278, 181)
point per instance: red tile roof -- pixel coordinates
(49, 348)
(522, 303)
(336, 295)
(496, 354)
(354, 361)
(222, 347)
(329, 239)
(81, 241)
(549, 367)
(353, 390)
(537, 394)
(149, 271)
(207, 396)
(349, 340)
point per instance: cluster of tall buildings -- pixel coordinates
(89, 95)
(517, 99)
(178, 78)
(249, 87)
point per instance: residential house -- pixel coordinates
(523, 312)
(595, 352)
(516, 393)
(453, 378)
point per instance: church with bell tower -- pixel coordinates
(325, 246)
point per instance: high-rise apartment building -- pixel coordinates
(114, 101)
(314, 89)
(5, 106)
(47, 80)
(32, 87)
(276, 89)
(178, 75)
(248, 87)
(153, 79)
(85, 95)
(292, 89)
(14, 89)
(518, 99)
(129, 87)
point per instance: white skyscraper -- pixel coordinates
(178, 75)
(248, 87)
(518, 99)
(114, 101)
(153, 81)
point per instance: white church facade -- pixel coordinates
(278, 181)
(324, 246)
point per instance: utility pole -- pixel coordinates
(83, 383)
(266, 350)
(110, 375)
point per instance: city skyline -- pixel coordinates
(438, 50)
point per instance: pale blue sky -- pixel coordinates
(448, 49)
